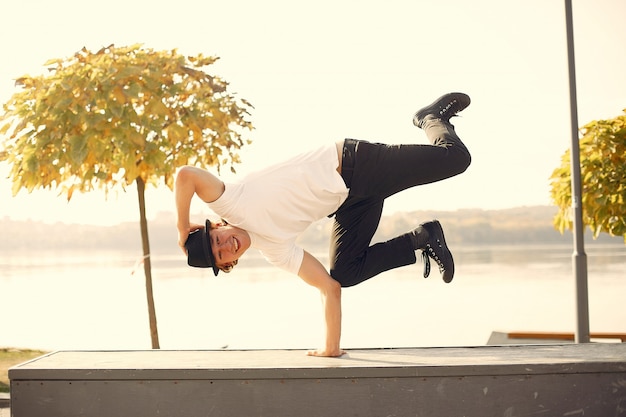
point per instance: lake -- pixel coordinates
(96, 300)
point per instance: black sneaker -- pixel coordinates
(443, 108)
(437, 249)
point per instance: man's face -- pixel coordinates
(228, 244)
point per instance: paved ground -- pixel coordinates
(5, 412)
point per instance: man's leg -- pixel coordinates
(376, 171)
(380, 171)
(383, 170)
(352, 258)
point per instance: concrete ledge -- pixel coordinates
(571, 379)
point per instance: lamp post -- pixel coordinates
(579, 257)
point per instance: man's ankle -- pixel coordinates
(419, 237)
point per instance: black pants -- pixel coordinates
(373, 172)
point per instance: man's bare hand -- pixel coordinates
(326, 353)
(183, 234)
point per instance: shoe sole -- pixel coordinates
(440, 107)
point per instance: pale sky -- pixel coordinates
(325, 70)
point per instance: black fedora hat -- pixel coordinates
(199, 253)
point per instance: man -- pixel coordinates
(349, 180)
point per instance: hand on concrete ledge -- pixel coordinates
(326, 353)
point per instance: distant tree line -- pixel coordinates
(523, 225)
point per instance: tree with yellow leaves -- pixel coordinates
(603, 179)
(120, 116)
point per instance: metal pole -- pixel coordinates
(579, 258)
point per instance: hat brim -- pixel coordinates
(206, 239)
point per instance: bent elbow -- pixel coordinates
(184, 172)
(333, 289)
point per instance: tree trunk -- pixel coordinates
(147, 266)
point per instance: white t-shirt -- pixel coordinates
(275, 205)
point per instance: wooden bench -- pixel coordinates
(503, 338)
(551, 380)
(565, 336)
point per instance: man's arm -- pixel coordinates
(314, 273)
(190, 181)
